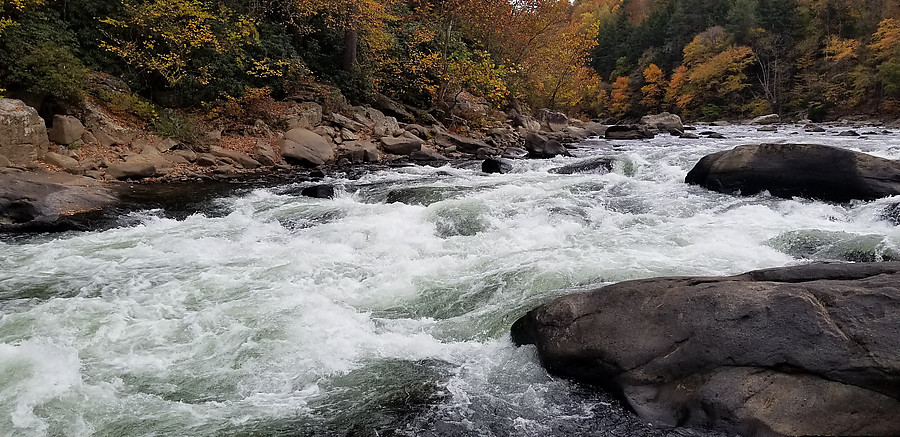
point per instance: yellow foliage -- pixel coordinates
(163, 36)
(886, 41)
(14, 6)
(838, 49)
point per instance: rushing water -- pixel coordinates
(386, 310)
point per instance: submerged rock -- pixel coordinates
(496, 165)
(602, 164)
(802, 170)
(805, 350)
(318, 191)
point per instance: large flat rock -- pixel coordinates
(38, 199)
(798, 170)
(806, 350)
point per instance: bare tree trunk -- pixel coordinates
(351, 38)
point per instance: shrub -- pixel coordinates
(36, 58)
(173, 124)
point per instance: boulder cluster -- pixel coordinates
(93, 144)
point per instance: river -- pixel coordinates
(386, 310)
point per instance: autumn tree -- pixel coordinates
(620, 97)
(654, 88)
(169, 37)
(886, 46)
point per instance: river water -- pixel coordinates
(386, 310)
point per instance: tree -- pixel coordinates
(620, 97)
(170, 37)
(653, 91)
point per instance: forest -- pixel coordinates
(702, 59)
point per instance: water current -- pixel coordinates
(386, 310)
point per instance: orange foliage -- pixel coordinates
(620, 97)
(654, 88)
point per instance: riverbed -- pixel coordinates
(386, 310)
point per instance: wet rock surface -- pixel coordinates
(804, 350)
(798, 170)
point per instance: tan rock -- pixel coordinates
(306, 148)
(131, 170)
(65, 130)
(66, 163)
(238, 157)
(23, 134)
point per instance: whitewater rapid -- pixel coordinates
(383, 311)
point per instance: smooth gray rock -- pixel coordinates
(461, 143)
(628, 132)
(64, 162)
(798, 170)
(238, 157)
(664, 121)
(401, 145)
(65, 130)
(40, 199)
(766, 119)
(804, 350)
(306, 148)
(539, 147)
(131, 170)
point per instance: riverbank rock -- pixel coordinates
(804, 350)
(401, 145)
(461, 143)
(38, 200)
(131, 170)
(628, 132)
(23, 134)
(798, 170)
(304, 147)
(766, 119)
(539, 147)
(665, 122)
(66, 130)
(552, 121)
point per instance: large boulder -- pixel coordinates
(628, 132)
(23, 134)
(401, 145)
(766, 119)
(131, 170)
(552, 121)
(804, 350)
(539, 147)
(665, 122)
(461, 143)
(307, 115)
(798, 170)
(306, 148)
(39, 200)
(393, 108)
(66, 130)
